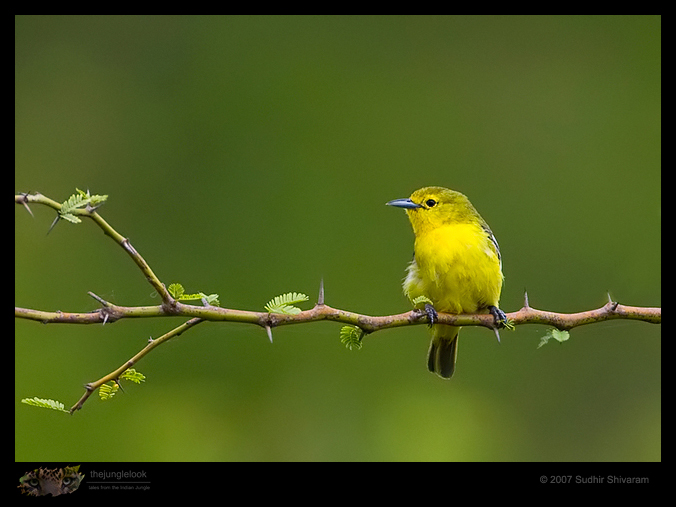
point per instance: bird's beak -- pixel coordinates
(404, 203)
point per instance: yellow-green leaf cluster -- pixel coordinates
(420, 302)
(43, 403)
(108, 390)
(135, 376)
(284, 303)
(351, 337)
(79, 200)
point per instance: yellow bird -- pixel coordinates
(456, 265)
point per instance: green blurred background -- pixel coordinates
(252, 156)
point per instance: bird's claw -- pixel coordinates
(431, 313)
(501, 320)
(499, 316)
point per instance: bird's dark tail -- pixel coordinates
(443, 350)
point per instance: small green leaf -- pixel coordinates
(211, 299)
(97, 200)
(74, 202)
(285, 309)
(176, 290)
(133, 375)
(559, 336)
(420, 302)
(283, 304)
(42, 403)
(70, 218)
(107, 391)
(351, 337)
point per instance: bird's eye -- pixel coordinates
(431, 203)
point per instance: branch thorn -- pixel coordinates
(320, 298)
(53, 223)
(25, 203)
(269, 331)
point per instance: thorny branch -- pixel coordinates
(109, 313)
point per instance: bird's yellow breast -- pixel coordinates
(457, 267)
